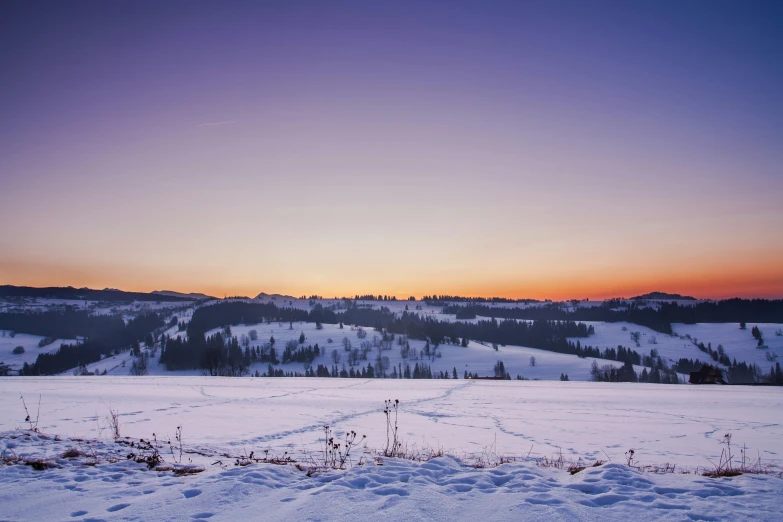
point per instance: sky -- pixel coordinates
(521, 149)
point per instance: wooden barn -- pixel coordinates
(707, 375)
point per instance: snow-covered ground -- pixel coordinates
(612, 335)
(738, 344)
(529, 420)
(30, 345)
(663, 423)
(442, 489)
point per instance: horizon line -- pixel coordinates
(407, 298)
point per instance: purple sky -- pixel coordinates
(533, 149)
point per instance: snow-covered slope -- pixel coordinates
(442, 489)
(477, 358)
(738, 344)
(670, 347)
(480, 357)
(30, 345)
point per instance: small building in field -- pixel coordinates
(707, 375)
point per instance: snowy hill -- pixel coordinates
(478, 357)
(30, 345)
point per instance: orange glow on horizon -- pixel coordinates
(708, 284)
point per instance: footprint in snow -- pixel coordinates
(117, 507)
(78, 513)
(190, 493)
(390, 490)
(544, 501)
(201, 516)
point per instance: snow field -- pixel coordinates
(442, 489)
(680, 425)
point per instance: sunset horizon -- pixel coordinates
(535, 150)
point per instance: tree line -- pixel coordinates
(102, 336)
(657, 318)
(543, 334)
(547, 335)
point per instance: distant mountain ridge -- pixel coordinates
(191, 295)
(84, 294)
(274, 297)
(663, 296)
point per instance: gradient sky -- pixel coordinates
(520, 149)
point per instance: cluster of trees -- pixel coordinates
(622, 354)
(685, 365)
(371, 297)
(213, 354)
(718, 355)
(775, 375)
(292, 353)
(439, 300)
(67, 324)
(500, 370)
(743, 373)
(552, 312)
(221, 354)
(547, 335)
(757, 336)
(103, 336)
(419, 371)
(658, 374)
(657, 318)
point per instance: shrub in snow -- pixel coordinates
(19, 350)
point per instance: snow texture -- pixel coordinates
(680, 425)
